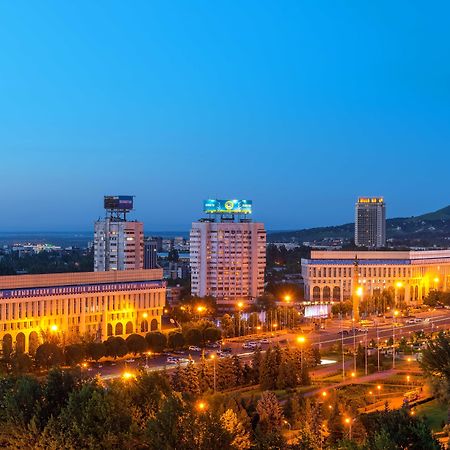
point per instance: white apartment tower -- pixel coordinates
(370, 222)
(118, 243)
(228, 253)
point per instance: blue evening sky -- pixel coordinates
(300, 106)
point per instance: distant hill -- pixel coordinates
(425, 230)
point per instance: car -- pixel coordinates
(212, 345)
(264, 341)
(172, 360)
(361, 330)
(227, 350)
(344, 332)
(129, 360)
(410, 321)
(194, 348)
(249, 345)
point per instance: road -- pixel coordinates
(438, 319)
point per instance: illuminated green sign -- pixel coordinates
(213, 206)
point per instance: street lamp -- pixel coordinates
(395, 313)
(127, 376)
(301, 340)
(348, 422)
(201, 406)
(287, 299)
(213, 357)
(240, 305)
(54, 328)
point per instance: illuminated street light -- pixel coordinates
(324, 394)
(359, 291)
(287, 298)
(348, 422)
(399, 284)
(301, 340)
(54, 328)
(240, 305)
(200, 308)
(201, 406)
(145, 315)
(127, 376)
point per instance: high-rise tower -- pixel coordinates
(370, 222)
(228, 253)
(118, 242)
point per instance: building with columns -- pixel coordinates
(101, 304)
(330, 275)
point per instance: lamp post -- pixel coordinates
(240, 305)
(348, 421)
(213, 357)
(301, 340)
(394, 315)
(287, 299)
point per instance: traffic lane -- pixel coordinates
(385, 332)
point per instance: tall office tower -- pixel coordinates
(118, 242)
(370, 222)
(228, 253)
(150, 254)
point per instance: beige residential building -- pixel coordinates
(228, 260)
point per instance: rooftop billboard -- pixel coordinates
(118, 202)
(214, 206)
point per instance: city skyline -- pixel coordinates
(288, 105)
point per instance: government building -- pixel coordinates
(100, 304)
(335, 275)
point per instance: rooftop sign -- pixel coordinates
(214, 206)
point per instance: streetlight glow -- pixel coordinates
(127, 376)
(201, 406)
(301, 339)
(54, 327)
(359, 291)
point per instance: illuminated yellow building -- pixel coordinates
(330, 275)
(100, 304)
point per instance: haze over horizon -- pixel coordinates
(300, 106)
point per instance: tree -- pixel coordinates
(176, 340)
(212, 334)
(21, 363)
(136, 344)
(74, 354)
(93, 418)
(400, 427)
(116, 347)
(48, 355)
(256, 365)
(270, 413)
(95, 350)
(194, 336)
(156, 341)
(227, 326)
(241, 437)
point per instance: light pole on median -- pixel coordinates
(395, 313)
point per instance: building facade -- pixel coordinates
(335, 275)
(370, 222)
(150, 254)
(228, 259)
(118, 245)
(100, 304)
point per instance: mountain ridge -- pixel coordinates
(427, 229)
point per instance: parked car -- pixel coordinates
(194, 348)
(344, 332)
(172, 360)
(264, 341)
